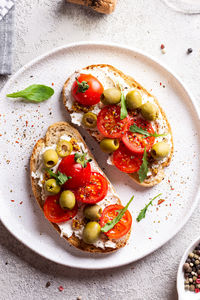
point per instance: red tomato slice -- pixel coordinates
(125, 160)
(80, 176)
(54, 213)
(136, 142)
(109, 123)
(92, 95)
(122, 227)
(95, 191)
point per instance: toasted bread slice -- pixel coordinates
(158, 173)
(53, 135)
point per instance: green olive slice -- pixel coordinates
(109, 145)
(160, 150)
(111, 96)
(89, 120)
(92, 212)
(91, 232)
(67, 200)
(50, 158)
(133, 99)
(64, 148)
(51, 186)
(149, 111)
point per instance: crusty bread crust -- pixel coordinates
(153, 179)
(52, 137)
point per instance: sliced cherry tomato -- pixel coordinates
(80, 175)
(122, 227)
(89, 92)
(136, 142)
(125, 160)
(54, 213)
(95, 191)
(109, 122)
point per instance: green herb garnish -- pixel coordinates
(81, 159)
(142, 213)
(112, 223)
(123, 111)
(82, 86)
(144, 167)
(135, 128)
(60, 177)
(35, 93)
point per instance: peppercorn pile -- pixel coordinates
(191, 269)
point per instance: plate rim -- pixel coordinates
(155, 61)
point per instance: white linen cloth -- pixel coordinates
(5, 6)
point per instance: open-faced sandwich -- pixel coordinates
(74, 193)
(124, 118)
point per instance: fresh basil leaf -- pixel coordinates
(142, 213)
(144, 167)
(123, 111)
(81, 159)
(35, 92)
(135, 128)
(112, 223)
(60, 177)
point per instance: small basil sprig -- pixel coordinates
(34, 92)
(81, 159)
(144, 167)
(135, 128)
(112, 223)
(60, 177)
(82, 86)
(142, 213)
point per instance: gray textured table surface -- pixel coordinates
(43, 25)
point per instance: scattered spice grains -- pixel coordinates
(191, 269)
(162, 47)
(189, 50)
(48, 284)
(61, 288)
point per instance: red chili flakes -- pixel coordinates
(26, 123)
(61, 288)
(162, 46)
(172, 188)
(170, 204)
(160, 83)
(52, 84)
(12, 200)
(17, 142)
(149, 238)
(168, 180)
(20, 202)
(32, 125)
(160, 201)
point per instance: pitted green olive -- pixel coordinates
(67, 200)
(64, 148)
(133, 99)
(89, 120)
(111, 96)
(51, 186)
(91, 232)
(93, 212)
(109, 145)
(160, 150)
(149, 111)
(50, 158)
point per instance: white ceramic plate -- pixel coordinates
(23, 123)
